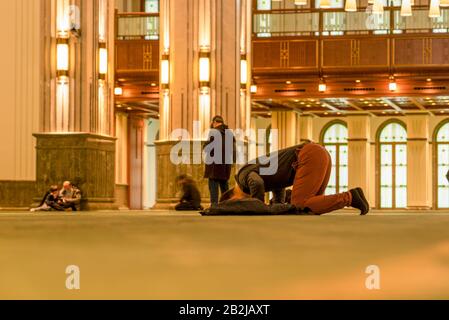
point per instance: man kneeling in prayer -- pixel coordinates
(307, 168)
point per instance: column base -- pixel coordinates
(87, 160)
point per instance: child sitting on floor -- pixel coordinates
(50, 201)
(191, 197)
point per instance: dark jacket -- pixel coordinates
(52, 202)
(251, 207)
(283, 177)
(220, 169)
(191, 196)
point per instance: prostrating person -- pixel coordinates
(306, 167)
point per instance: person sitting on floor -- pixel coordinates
(306, 167)
(70, 197)
(191, 197)
(50, 201)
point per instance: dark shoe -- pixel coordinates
(359, 201)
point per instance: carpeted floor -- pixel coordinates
(162, 255)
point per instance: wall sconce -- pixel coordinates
(254, 89)
(165, 71)
(243, 72)
(62, 57)
(322, 87)
(118, 91)
(103, 61)
(204, 63)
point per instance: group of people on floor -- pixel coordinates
(305, 168)
(67, 198)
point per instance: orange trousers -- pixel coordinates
(312, 177)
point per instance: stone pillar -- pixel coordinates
(306, 128)
(76, 139)
(194, 31)
(286, 128)
(419, 162)
(359, 153)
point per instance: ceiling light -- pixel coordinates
(406, 8)
(434, 11)
(118, 91)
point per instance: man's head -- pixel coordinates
(217, 121)
(234, 194)
(67, 185)
(184, 179)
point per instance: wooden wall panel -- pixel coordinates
(336, 53)
(409, 52)
(137, 55)
(267, 54)
(440, 51)
(303, 54)
(374, 52)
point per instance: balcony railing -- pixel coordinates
(337, 22)
(137, 26)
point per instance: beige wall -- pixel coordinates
(19, 87)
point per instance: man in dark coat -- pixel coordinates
(218, 166)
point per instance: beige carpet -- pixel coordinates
(161, 255)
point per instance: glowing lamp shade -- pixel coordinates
(243, 72)
(300, 2)
(406, 8)
(393, 86)
(322, 87)
(325, 4)
(253, 88)
(444, 3)
(434, 11)
(118, 91)
(351, 5)
(204, 69)
(103, 64)
(165, 72)
(378, 7)
(62, 51)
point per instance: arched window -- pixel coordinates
(335, 139)
(442, 146)
(393, 166)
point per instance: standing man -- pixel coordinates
(219, 152)
(70, 197)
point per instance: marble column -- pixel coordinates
(359, 153)
(76, 139)
(419, 162)
(306, 128)
(286, 128)
(201, 51)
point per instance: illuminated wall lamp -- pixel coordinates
(62, 58)
(243, 72)
(103, 61)
(165, 71)
(204, 63)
